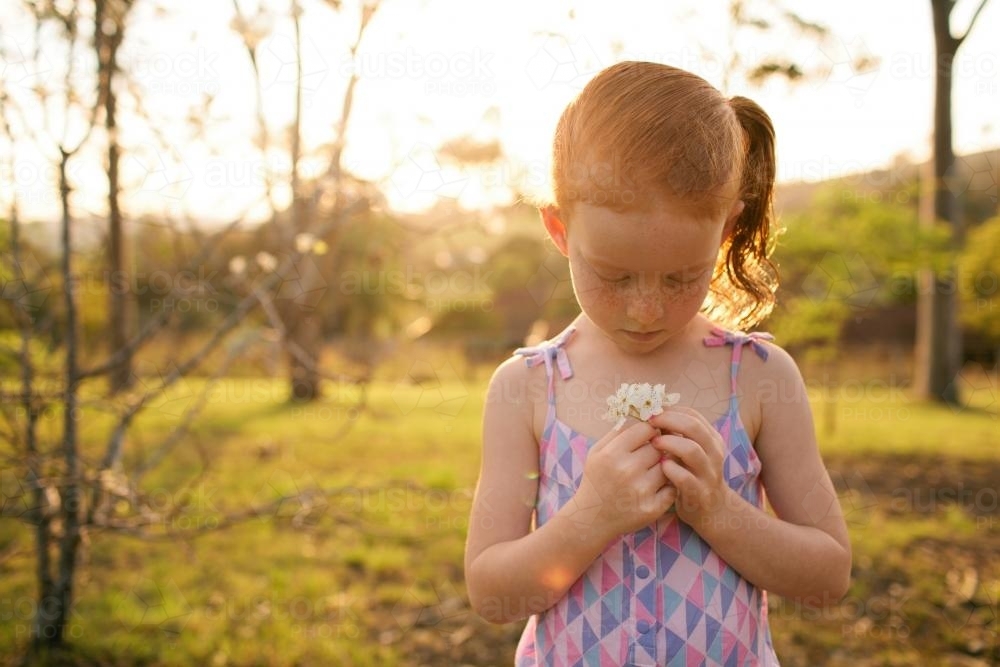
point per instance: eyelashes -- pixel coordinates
(624, 281)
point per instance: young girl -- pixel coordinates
(650, 544)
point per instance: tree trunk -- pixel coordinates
(939, 335)
(304, 340)
(56, 596)
(42, 517)
(120, 302)
(302, 331)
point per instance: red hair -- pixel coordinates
(641, 127)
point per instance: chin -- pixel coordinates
(630, 344)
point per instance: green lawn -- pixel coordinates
(372, 573)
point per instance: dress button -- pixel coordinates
(642, 571)
(642, 626)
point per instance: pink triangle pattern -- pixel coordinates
(659, 596)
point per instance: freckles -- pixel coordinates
(588, 289)
(605, 299)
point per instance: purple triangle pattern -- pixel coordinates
(659, 596)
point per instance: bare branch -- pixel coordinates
(156, 324)
(335, 168)
(309, 505)
(250, 42)
(972, 22)
(116, 443)
(192, 412)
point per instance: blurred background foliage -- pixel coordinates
(847, 255)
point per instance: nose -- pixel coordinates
(645, 308)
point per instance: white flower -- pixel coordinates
(641, 401)
(663, 397)
(651, 403)
(617, 413)
(618, 406)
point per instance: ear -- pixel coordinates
(734, 215)
(556, 227)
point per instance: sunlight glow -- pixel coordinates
(504, 77)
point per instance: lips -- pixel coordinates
(642, 336)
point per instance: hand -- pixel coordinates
(623, 486)
(693, 454)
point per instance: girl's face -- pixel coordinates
(640, 276)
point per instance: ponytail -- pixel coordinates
(748, 268)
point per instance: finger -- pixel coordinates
(692, 425)
(681, 419)
(666, 497)
(633, 437)
(684, 451)
(647, 456)
(678, 475)
(653, 478)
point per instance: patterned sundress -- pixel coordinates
(660, 595)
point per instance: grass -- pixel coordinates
(373, 575)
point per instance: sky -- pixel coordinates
(435, 69)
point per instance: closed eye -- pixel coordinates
(615, 280)
(685, 278)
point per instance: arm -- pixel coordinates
(802, 553)
(513, 572)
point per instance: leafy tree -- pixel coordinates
(980, 280)
(846, 255)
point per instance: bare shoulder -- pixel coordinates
(777, 367)
(773, 387)
(513, 394)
